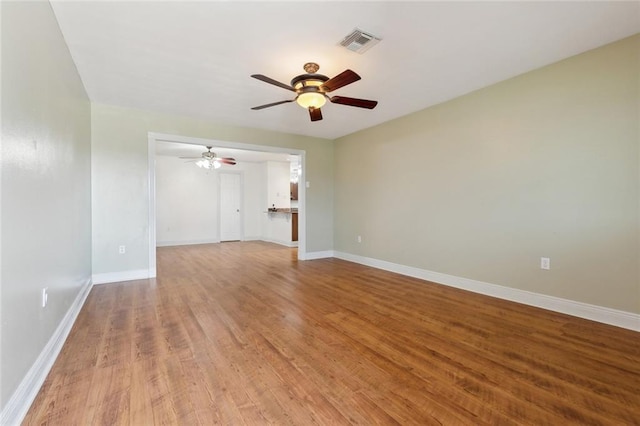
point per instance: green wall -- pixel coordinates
(542, 165)
(46, 199)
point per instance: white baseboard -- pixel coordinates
(21, 400)
(116, 277)
(601, 314)
(281, 242)
(318, 255)
(185, 242)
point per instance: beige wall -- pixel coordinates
(46, 200)
(120, 179)
(481, 187)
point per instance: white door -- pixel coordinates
(230, 214)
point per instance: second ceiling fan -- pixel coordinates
(311, 90)
(209, 160)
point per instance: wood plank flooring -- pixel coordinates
(243, 333)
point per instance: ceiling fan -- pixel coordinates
(209, 160)
(311, 90)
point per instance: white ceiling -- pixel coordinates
(196, 58)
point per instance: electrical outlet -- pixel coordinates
(44, 297)
(545, 263)
(122, 249)
(359, 238)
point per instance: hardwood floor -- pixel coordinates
(243, 333)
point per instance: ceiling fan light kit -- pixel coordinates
(311, 100)
(208, 164)
(311, 90)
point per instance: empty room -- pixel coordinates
(336, 212)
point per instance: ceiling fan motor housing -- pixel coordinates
(308, 82)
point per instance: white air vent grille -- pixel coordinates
(359, 41)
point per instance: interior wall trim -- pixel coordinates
(186, 242)
(18, 405)
(115, 277)
(601, 314)
(281, 242)
(319, 255)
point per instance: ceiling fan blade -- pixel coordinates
(340, 80)
(315, 114)
(272, 81)
(360, 103)
(227, 160)
(272, 104)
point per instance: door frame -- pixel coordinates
(154, 137)
(241, 174)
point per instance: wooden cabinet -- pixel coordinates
(294, 226)
(294, 190)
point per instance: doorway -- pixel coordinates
(230, 206)
(154, 138)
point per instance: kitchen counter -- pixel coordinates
(281, 210)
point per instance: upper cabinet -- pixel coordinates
(294, 190)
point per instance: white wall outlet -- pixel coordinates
(45, 297)
(545, 263)
(359, 238)
(122, 249)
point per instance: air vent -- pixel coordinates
(359, 41)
